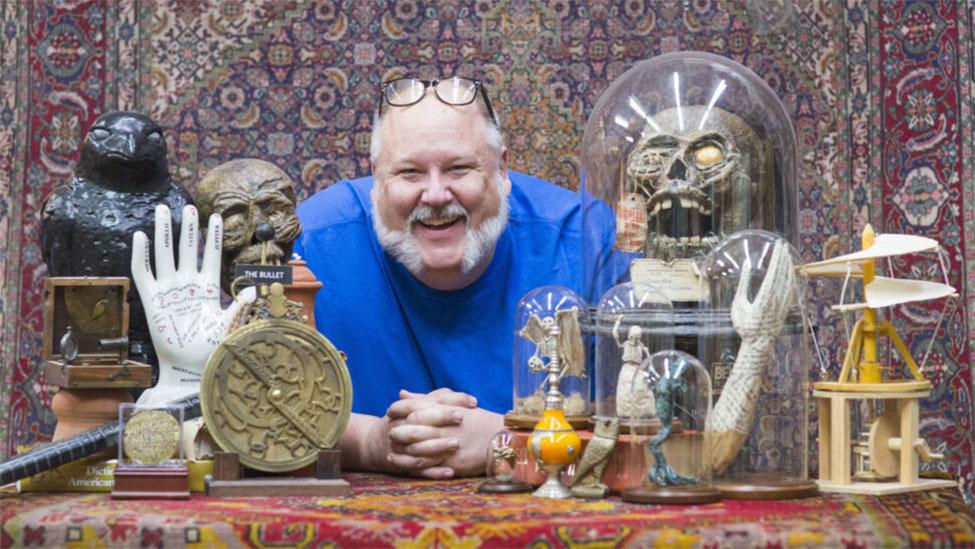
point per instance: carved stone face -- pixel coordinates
(257, 202)
(689, 178)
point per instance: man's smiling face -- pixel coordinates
(440, 192)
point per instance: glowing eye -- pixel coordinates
(708, 155)
(99, 133)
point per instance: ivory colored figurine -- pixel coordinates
(887, 453)
(634, 400)
(588, 482)
(182, 303)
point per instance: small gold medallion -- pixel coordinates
(151, 437)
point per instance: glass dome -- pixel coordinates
(547, 324)
(681, 149)
(502, 459)
(632, 322)
(675, 459)
(754, 344)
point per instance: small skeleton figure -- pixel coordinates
(666, 391)
(568, 343)
(634, 399)
(588, 481)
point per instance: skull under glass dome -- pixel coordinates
(680, 151)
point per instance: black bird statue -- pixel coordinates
(87, 225)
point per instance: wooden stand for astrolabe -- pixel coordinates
(230, 479)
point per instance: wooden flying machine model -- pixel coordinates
(887, 455)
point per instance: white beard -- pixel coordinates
(478, 243)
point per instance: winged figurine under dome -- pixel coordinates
(568, 342)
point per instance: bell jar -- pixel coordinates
(502, 456)
(754, 343)
(675, 461)
(679, 151)
(632, 322)
(548, 324)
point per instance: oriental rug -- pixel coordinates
(880, 92)
(389, 512)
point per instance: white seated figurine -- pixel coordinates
(182, 303)
(634, 399)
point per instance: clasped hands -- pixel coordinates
(437, 435)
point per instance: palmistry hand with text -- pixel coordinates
(182, 303)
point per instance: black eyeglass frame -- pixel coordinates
(478, 88)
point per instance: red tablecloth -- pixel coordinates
(387, 511)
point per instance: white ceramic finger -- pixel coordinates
(187, 242)
(141, 270)
(212, 248)
(163, 241)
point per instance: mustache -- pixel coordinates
(424, 212)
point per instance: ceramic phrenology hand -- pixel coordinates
(182, 302)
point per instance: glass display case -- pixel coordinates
(548, 324)
(754, 345)
(632, 322)
(151, 462)
(675, 458)
(679, 151)
(502, 456)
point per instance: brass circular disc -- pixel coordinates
(150, 437)
(768, 489)
(267, 422)
(671, 495)
(884, 461)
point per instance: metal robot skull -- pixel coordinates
(694, 184)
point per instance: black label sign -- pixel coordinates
(263, 274)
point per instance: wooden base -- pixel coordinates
(767, 489)
(649, 428)
(151, 483)
(98, 374)
(492, 486)
(628, 463)
(526, 422)
(907, 385)
(885, 488)
(277, 486)
(672, 495)
(227, 481)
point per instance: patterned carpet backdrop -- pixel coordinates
(880, 92)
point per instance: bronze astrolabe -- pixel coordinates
(151, 437)
(276, 391)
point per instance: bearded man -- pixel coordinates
(423, 265)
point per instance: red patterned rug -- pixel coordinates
(389, 512)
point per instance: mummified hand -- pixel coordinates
(182, 303)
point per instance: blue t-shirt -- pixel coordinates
(401, 334)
